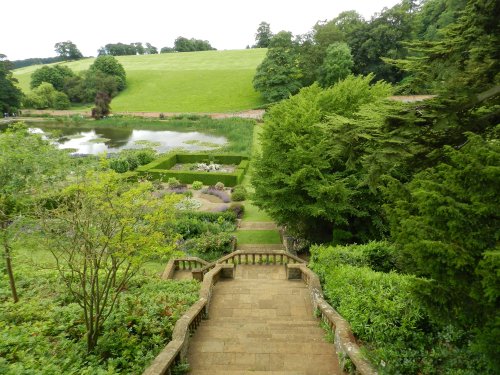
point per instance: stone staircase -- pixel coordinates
(261, 323)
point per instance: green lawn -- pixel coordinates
(252, 213)
(244, 237)
(208, 81)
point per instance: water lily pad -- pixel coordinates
(99, 140)
(146, 143)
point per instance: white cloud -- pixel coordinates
(32, 27)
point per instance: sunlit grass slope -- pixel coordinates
(209, 81)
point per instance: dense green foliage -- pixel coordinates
(53, 74)
(337, 64)
(307, 176)
(100, 231)
(111, 66)
(104, 79)
(46, 96)
(10, 95)
(422, 176)
(43, 332)
(388, 316)
(277, 77)
(68, 50)
(121, 49)
(28, 166)
(380, 44)
(445, 223)
(263, 36)
(183, 44)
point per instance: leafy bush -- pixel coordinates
(219, 186)
(46, 96)
(238, 209)
(210, 246)
(173, 182)
(197, 185)
(379, 256)
(239, 193)
(386, 313)
(43, 334)
(217, 193)
(188, 204)
(119, 165)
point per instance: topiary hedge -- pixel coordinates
(160, 169)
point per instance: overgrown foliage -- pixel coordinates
(388, 316)
(100, 232)
(43, 333)
(307, 177)
(10, 95)
(29, 164)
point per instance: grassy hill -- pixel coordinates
(209, 81)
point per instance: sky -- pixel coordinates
(30, 28)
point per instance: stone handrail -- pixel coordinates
(188, 263)
(249, 257)
(176, 350)
(344, 340)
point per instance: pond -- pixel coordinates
(86, 141)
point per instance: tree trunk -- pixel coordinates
(8, 263)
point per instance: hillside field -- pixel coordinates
(208, 81)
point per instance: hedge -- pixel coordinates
(187, 177)
(160, 169)
(378, 255)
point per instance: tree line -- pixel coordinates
(359, 46)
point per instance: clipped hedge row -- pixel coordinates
(187, 177)
(384, 313)
(377, 255)
(160, 169)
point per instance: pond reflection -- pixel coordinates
(110, 140)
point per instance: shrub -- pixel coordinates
(239, 193)
(382, 311)
(60, 100)
(188, 204)
(119, 165)
(197, 185)
(379, 256)
(217, 193)
(219, 186)
(238, 209)
(145, 156)
(173, 183)
(210, 246)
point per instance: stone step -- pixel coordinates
(183, 275)
(298, 363)
(295, 335)
(257, 225)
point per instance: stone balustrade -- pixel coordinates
(344, 340)
(176, 350)
(249, 257)
(188, 263)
